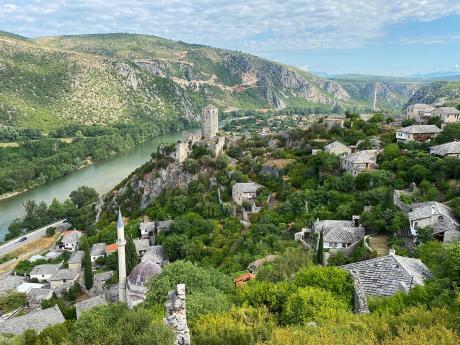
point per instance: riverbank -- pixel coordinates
(101, 175)
(11, 194)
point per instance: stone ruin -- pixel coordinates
(359, 298)
(176, 317)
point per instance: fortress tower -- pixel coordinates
(210, 119)
(121, 242)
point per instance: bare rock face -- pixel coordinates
(177, 319)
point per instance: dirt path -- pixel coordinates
(379, 243)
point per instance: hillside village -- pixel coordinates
(307, 230)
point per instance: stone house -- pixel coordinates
(337, 148)
(97, 251)
(245, 192)
(70, 239)
(332, 121)
(421, 113)
(447, 114)
(142, 245)
(43, 272)
(75, 260)
(147, 229)
(436, 215)
(386, 275)
(36, 296)
(63, 277)
(451, 149)
(360, 161)
(419, 133)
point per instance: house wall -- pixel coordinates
(72, 246)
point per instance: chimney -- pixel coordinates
(355, 220)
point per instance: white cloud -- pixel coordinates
(254, 25)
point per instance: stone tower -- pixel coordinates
(121, 242)
(210, 119)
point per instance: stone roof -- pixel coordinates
(89, 303)
(10, 282)
(64, 274)
(38, 321)
(147, 226)
(44, 269)
(143, 272)
(155, 254)
(76, 257)
(141, 244)
(340, 231)
(248, 187)
(164, 224)
(335, 144)
(386, 275)
(422, 105)
(71, 236)
(445, 219)
(26, 287)
(362, 157)
(446, 149)
(449, 110)
(420, 129)
(38, 295)
(98, 249)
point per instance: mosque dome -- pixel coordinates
(143, 272)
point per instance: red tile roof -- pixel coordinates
(242, 279)
(111, 248)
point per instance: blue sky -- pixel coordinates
(392, 37)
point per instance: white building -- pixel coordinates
(245, 192)
(419, 112)
(337, 148)
(447, 114)
(451, 149)
(419, 133)
(97, 251)
(360, 161)
(70, 239)
(43, 272)
(147, 229)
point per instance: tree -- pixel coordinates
(320, 249)
(88, 268)
(131, 255)
(50, 232)
(11, 301)
(83, 196)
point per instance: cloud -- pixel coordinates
(253, 25)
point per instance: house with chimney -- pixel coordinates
(419, 112)
(359, 161)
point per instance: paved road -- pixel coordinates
(31, 236)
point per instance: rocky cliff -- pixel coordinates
(439, 92)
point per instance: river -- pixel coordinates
(102, 176)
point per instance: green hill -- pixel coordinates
(108, 78)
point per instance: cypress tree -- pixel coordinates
(319, 251)
(131, 255)
(88, 267)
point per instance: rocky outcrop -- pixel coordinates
(176, 315)
(439, 93)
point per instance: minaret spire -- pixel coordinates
(121, 242)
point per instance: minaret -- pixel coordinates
(121, 242)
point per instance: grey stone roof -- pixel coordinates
(98, 249)
(449, 110)
(335, 144)
(340, 231)
(147, 226)
(64, 274)
(36, 320)
(76, 257)
(445, 149)
(420, 129)
(141, 244)
(10, 282)
(44, 269)
(248, 187)
(386, 275)
(89, 304)
(445, 218)
(38, 295)
(143, 272)
(155, 254)
(362, 157)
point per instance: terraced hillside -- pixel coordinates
(109, 78)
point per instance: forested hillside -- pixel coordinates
(104, 79)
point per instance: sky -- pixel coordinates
(384, 37)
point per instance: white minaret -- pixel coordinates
(121, 242)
